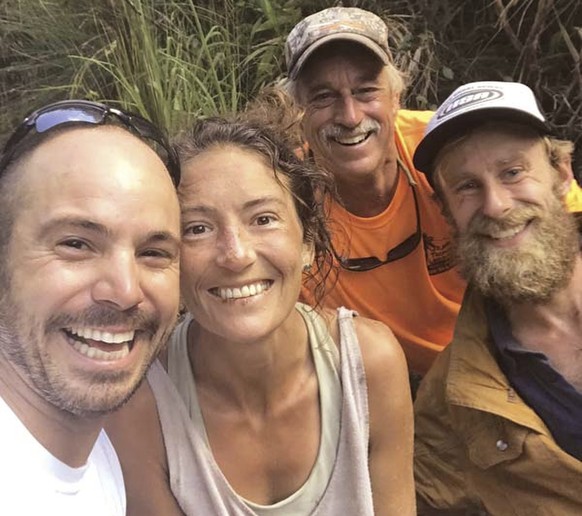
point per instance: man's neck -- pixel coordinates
(369, 195)
(69, 438)
(554, 328)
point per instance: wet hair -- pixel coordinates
(309, 185)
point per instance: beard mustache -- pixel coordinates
(337, 131)
(533, 270)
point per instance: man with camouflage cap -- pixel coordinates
(392, 243)
(390, 238)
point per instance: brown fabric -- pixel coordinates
(476, 440)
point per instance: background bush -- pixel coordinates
(175, 60)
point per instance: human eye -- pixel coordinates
(159, 256)
(322, 98)
(73, 247)
(512, 174)
(467, 186)
(74, 243)
(195, 230)
(265, 220)
(367, 93)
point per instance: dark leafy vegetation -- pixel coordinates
(174, 60)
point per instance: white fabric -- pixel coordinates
(34, 482)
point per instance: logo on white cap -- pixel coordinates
(468, 100)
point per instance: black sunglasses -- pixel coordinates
(396, 253)
(93, 113)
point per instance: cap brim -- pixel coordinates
(356, 38)
(430, 145)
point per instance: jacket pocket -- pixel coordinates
(492, 440)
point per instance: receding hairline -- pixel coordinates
(39, 140)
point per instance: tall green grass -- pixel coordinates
(173, 60)
(170, 60)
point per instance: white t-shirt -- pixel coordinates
(33, 481)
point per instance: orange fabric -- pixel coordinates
(419, 296)
(419, 306)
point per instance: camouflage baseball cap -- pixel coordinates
(335, 23)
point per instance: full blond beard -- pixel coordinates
(531, 272)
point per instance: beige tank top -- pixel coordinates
(197, 482)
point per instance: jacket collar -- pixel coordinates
(474, 379)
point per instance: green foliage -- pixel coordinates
(192, 60)
(36, 41)
(170, 60)
(176, 59)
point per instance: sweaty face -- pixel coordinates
(242, 245)
(515, 240)
(349, 110)
(93, 269)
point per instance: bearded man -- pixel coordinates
(499, 416)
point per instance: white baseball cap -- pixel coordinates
(473, 104)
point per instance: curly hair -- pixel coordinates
(308, 185)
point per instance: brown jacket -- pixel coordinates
(477, 440)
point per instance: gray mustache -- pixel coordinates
(339, 131)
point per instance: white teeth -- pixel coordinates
(99, 354)
(508, 233)
(245, 291)
(103, 336)
(358, 138)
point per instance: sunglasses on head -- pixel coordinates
(403, 249)
(91, 113)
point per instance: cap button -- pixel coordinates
(502, 445)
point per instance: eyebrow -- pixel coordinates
(203, 208)
(75, 222)
(101, 229)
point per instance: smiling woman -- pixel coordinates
(265, 405)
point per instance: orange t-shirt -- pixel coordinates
(418, 296)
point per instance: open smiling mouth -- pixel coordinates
(506, 233)
(350, 141)
(250, 290)
(100, 345)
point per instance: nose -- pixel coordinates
(235, 250)
(497, 201)
(119, 285)
(347, 111)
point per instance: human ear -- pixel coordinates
(565, 175)
(307, 255)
